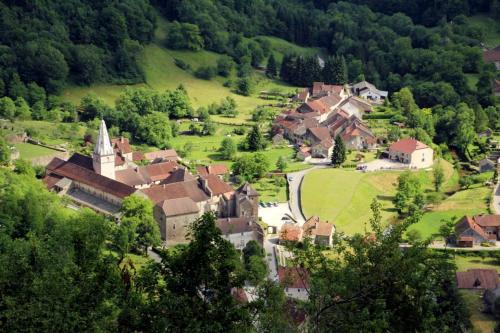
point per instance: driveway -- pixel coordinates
(384, 164)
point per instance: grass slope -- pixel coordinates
(29, 151)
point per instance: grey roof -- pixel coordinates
(103, 145)
(246, 189)
(365, 85)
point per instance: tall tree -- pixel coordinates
(438, 174)
(339, 152)
(255, 139)
(272, 66)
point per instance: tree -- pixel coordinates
(281, 164)
(154, 129)
(24, 167)
(244, 86)
(409, 195)
(250, 167)
(255, 139)
(7, 108)
(184, 36)
(227, 148)
(272, 67)
(339, 152)
(447, 231)
(23, 111)
(438, 174)
(224, 65)
(466, 182)
(228, 107)
(137, 216)
(4, 151)
(484, 87)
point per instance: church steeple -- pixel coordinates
(104, 156)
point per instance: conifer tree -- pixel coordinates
(339, 152)
(272, 67)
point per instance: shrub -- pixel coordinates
(182, 64)
(205, 72)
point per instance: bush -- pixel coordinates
(182, 64)
(239, 130)
(205, 72)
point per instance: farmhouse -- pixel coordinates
(493, 56)
(239, 231)
(476, 230)
(412, 152)
(368, 91)
(99, 182)
(320, 232)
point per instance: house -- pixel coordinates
(477, 278)
(320, 232)
(290, 233)
(356, 135)
(321, 89)
(493, 56)
(215, 169)
(486, 165)
(301, 96)
(356, 106)
(368, 91)
(478, 229)
(240, 230)
(322, 149)
(295, 280)
(412, 152)
(161, 156)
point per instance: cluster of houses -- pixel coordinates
(325, 112)
(103, 181)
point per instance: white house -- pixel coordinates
(240, 230)
(412, 152)
(295, 281)
(367, 90)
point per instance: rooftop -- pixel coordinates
(407, 146)
(477, 278)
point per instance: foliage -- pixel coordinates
(205, 72)
(250, 167)
(281, 164)
(255, 140)
(438, 179)
(272, 67)
(224, 66)
(4, 151)
(184, 36)
(154, 129)
(244, 86)
(339, 152)
(228, 149)
(409, 196)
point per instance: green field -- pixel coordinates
(29, 151)
(161, 74)
(481, 322)
(467, 262)
(343, 197)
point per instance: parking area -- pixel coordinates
(384, 164)
(273, 216)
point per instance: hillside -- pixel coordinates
(161, 73)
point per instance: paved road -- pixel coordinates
(294, 191)
(269, 244)
(496, 199)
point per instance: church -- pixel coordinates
(102, 181)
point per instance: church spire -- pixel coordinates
(103, 145)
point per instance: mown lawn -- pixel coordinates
(29, 151)
(481, 322)
(465, 202)
(467, 262)
(343, 197)
(271, 190)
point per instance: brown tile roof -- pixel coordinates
(477, 278)
(159, 171)
(468, 223)
(492, 55)
(216, 185)
(51, 180)
(407, 146)
(247, 189)
(122, 145)
(190, 189)
(320, 133)
(88, 177)
(179, 175)
(55, 163)
(319, 87)
(290, 232)
(119, 160)
(132, 177)
(167, 154)
(235, 225)
(293, 277)
(82, 160)
(487, 220)
(314, 226)
(326, 144)
(179, 206)
(213, 169)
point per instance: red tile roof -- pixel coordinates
(407, 146)
(293, 277)
(469, 223)
(314, 226)
(159, 171)
(122, 145)
(213, 169)
(236, 225)
(167, 154)
(320, 133)
(189, 189)
(492, 55)
(290, 232)
(477, 278)
(216, 185)
(137, 156)
(487, 220)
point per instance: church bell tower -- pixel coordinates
(104, 156)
